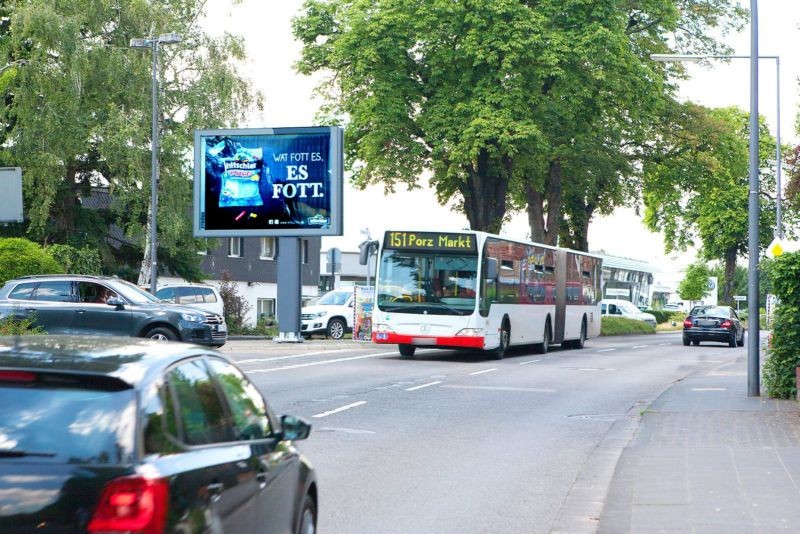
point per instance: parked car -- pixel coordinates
(626, 309)
(201, 296)
(123, 435)
(331, 315)
(676, 307)
(105, 306)
(713, 323)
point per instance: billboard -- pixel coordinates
(268, 182)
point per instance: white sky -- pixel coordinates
(272, 51)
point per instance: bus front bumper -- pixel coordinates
(456, 342)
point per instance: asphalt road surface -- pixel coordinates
(457, 443)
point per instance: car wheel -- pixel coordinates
(308, 518)
(696, 342)
(407, 351)
(732, 340)
(336, 329)
(544, 346)
(686, 341)
(505, 335)
(161, 333)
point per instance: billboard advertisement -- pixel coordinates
(268, 182)
(362, 329)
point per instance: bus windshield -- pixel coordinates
(413, 282)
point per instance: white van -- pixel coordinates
(331, 315)
(201, 296)
(626, 309)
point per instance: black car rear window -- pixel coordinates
(66, 423)
(716, 311)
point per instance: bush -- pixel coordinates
(11, 326)
(235, 305)
(784, 350)
(662, 316)
(619, 326)
(20, 257)
(77, 261)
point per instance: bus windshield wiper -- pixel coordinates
(19, 453)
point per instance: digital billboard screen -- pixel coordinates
(268, 182)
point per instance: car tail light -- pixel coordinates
(687, 323)
(726, 324)
(132, 504)
(17, 376)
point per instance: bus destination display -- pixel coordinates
(432, 241)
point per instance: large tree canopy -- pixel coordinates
(79, 113)
(508, 104)
(697, 191)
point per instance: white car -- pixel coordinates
(201, 296)
(331, 315)
(626, 309)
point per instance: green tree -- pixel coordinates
(79, 114)
(697, 192)
(77, 261)
(507, 104)
(236, 306)
(20, 257)
(695, 283)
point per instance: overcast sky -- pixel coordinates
(272, 51)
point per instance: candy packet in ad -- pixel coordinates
(240, 181)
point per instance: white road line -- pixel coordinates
(606, 350)
(323, 362)
(640, 346)
(424, 385)
(529, 361)
(664, 344)
(709, 389)
(501, 388)
(481, 372)
(277, 358)
(337, 410)
(590, 369)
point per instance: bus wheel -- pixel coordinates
(544, 346)
(407, 351)
(579, 343)
(505, 335)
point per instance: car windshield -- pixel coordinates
(133, 293)
(627, 306)
(67, 424)
(334, 298)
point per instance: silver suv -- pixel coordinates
(105, 306)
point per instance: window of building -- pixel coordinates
(267, 248)
(235, 247)
(265, 309)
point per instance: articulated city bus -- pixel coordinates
(473, 290)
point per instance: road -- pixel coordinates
(456, 443)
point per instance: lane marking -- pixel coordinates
(345, 430)
(501, 388)
(276, 358)
(664, 344)
(424, 385)
(341, 409)
(323, 362)
(641, 346)
(709, 389)
(606, 350)
(530, 361)
(481, 372)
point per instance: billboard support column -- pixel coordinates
(289, 290)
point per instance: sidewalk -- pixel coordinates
(708, 458)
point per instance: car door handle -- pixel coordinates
(30, 310)
(80, 312)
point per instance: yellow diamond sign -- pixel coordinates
(780, 246)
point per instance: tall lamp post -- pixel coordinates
(753, 344)
(152, 43)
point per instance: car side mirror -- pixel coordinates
(294, 428)
(116, 302)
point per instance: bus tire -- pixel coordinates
(407, 351)
(544, 346)
(581, 341)
(505, 336)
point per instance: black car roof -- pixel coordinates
(131, 360)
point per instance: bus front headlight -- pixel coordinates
(470, 332)
(382, 328)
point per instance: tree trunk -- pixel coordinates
(575, 234)
(485, 195)
(729, 284)
(544, 228)
(144, 270)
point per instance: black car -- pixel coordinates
(713, 323)
(102, 305)
(120, 435)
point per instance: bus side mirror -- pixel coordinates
(491, 269)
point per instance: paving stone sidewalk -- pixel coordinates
(708, 458)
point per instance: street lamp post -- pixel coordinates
(753, 345)
(152, 43)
